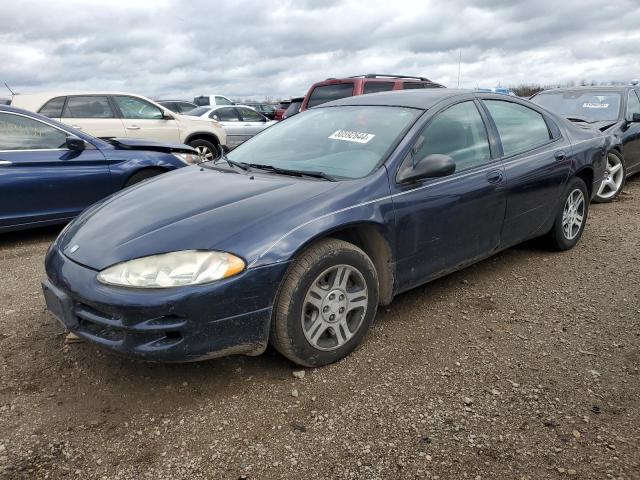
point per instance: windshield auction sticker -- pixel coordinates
(595, 105)
(351, 136)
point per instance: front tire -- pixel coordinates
(614, 178)
(326, 304)
(572, 217)
(206, 149)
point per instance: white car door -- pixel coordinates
(92, 114)
(232, 124)
(143, 119)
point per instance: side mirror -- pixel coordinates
(167, 116)
(635, 117)
(431, 166)
(75, 144)
(216, 117)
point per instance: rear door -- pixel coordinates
(93, 114)
(537, 162)
(232, 124)
(143, 119)
(40, 179)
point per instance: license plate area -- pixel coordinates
(60, 305)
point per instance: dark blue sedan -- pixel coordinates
(299, 234)
(50, 172)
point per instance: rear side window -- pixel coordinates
(520, 128)
(293, 109)
(373, 87)
(182, 107)
(411, 85)
(23, 133)
(88, 107)
(53, 108)
(201, 101)
(327, 93)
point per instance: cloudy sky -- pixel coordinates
(174, 48)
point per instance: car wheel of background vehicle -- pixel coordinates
(326, 304)
(613, 181)
(572, 217)
(142, 175)
(205, 148)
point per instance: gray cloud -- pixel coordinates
(254, 48)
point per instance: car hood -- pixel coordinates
(142, 144)
(192, 209)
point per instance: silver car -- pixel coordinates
(239, 121)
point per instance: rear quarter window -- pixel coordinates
(373, 87)
(327, 93)
(53, 108)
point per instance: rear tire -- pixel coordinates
(614, 179)
(206, 149)
(326, 304)
(572, 216)
(141, 176)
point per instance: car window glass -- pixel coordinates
(249, 115)
(53, 108)
(226, 114)
(222, 101)
(184, 107)
(293, 108)
(88, 107)
(412, 85)
(458, 132)
(633, 104)
(373, 87)
(23, 133)
(136, 108)
(520, 128)
(582, 105)
(326, 93)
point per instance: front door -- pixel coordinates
(631, 136)
(143, 119)
(445, 223)
(233, 125)
(42, 180)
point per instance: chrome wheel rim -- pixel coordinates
(613, 177)
(334, 307)
(573, 214)
(205, 153)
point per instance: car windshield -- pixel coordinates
(197, 112)
(342, 142)
(589, 106)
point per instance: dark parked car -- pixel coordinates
(265, 109)
(373, 195)
(612, 110)
(178, 106)
(336, 88)
(281, 108)
(293, 108)
(50, 172)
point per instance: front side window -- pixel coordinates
(458, 132)
(250, 115)
(633, 105)
(137, 108)
(88, 107)
(53, 108)
(327, 93)
(520, 128)
(227, 114)
(223, 101)
(582, 105)
(23, 133)
(373, 87)
(344, 142)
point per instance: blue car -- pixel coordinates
(299, 234)
(50, 172)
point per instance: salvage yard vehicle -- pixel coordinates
(50, 172)
(336, 88)
(240, 122)
(113, 114)
(205, 100)
(370, 196)
(612, 110)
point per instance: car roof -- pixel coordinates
(419, 98)
(589, 88)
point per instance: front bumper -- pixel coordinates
(184, 324)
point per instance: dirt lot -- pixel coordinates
(523, 366)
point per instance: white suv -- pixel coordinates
(110, 114)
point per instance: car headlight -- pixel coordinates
(175, 269)
(188, 158)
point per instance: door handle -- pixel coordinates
(495, 176)
(5, 163)
(133, 127)
(560, 155)
(77, 127)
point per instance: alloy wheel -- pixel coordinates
(613, 177)
(573, 214)
(334, 307)
(205, 153)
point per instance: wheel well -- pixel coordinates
(586, 174)
(370, 239)
(209, 137)
(146, 169)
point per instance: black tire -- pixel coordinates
(208, 150)
(287, 331)
(142, 175)
(617, 158)
(558, 236)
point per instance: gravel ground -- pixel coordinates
(524, 366)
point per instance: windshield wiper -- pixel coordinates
(578, 119)
(287, 171)
(232, 163)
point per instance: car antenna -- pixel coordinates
(9, 88)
